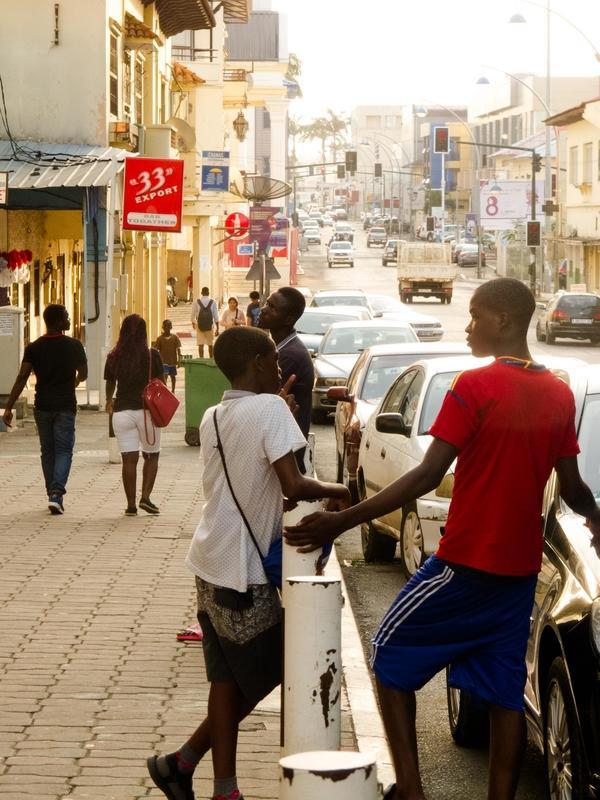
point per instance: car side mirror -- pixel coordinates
(339, 394)
(446, 486)
(541, 305)
(391, 423)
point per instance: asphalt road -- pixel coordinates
(449, 772)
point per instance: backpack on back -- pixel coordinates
(205, 316)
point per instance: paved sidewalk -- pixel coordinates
(92, 679)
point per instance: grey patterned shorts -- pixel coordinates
(242, 645)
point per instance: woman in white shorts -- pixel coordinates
(128, 367)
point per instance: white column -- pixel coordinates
(278, 114)
(311, 691)
(334, 776)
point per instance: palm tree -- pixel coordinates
(338, 126)
(317, 129)
(294, 131)
(330, 128)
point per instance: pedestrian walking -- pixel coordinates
(129, 367)
(253, 310)
(205, 321)
(508, 424)
(169, 347)
(238, 608)
(232, 315)
(59, 365)
(279, 315)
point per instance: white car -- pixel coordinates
(395, 440)
(427, 328)
(314, 322)
(340, 254)
(341, 297)
(312, 234)
(340, 348)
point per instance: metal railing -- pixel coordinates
(234, 74)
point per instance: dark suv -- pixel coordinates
(572, 315)
(562, 693)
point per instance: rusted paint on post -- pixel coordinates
(295, 563)
(311, 692)
(315, 775)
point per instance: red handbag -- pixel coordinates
(158, 401)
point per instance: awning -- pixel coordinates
(42, 165)
(183, 15)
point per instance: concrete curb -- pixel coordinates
(368, 727)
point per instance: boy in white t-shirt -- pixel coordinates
(238, 608)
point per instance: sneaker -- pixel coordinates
(149, 507)
(173, 784)
(233, 796)
(55, 504)
(131, 511)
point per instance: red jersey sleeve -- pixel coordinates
(457, 420)
(569, 446)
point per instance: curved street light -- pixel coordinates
(519, 19)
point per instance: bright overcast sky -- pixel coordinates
(357, 52)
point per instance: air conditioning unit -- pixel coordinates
(125, 135)
(160, 141)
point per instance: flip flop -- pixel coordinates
(191, 634)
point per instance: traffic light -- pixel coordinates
(378, 170)
(341, 171)
(441, 140)
(534, 233)
(537, 162)
(430, 224)
(351, 161)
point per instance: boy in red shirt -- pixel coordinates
(508, 425)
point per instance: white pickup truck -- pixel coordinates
(425, 269)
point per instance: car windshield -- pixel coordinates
(468, 248)
(434, 398)
(340, 300)
(343, 227)
(381, 372)
(589, 436)
(584, 304)
(378, 231)
(340, 246)
(355, 339)
(383, 304)
(318, 323)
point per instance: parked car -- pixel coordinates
(395, 440)
(339, 350)
(563, 654)
(368, 381)
(317, 217)
(570, 315)
(340, 254)
(343, 232)
(341, 297)
(315, 322)
(469, 255)
(427, 328)
(390, 252)
(312, 234)
(376, 236)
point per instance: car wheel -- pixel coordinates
(368, 245)
(352, 264)
(469, 722)
(595, 340)
(345, 479)
(563, 746)
(192, 437)
(550, 337)
(411, 540)
(376, 546)
(319, 417)
(538, 333)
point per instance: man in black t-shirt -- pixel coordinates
(59, 364)
(279, 315)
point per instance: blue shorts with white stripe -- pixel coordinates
(476, 624)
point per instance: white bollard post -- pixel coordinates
(293, 562)
(334, 776)
(311, 691)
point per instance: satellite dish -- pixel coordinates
(260, 188)
(186, 136)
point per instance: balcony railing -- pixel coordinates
(184, 53)
(234, 74)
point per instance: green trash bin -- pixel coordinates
(204, 387)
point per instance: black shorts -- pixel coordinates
(242, 645)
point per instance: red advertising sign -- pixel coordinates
(237, 224)
(153, 194)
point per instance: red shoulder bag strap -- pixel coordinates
(146, 412)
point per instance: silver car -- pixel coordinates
(427, 328)
(339, 350)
